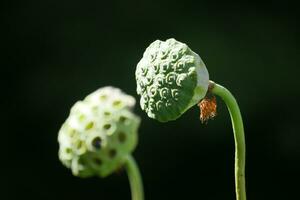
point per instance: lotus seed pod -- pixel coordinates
(170, 79)
(99, 134)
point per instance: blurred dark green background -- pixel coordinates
(57, 52)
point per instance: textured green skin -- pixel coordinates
(104, 114)
(170, 79)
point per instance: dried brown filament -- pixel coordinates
(208, 108)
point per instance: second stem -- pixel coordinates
(135, 179)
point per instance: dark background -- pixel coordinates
(57, 52)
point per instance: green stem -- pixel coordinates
(239, 138)
(136, 184)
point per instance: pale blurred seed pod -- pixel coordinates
(99, 133)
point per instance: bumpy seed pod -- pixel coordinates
(99, 134)
(170, 79)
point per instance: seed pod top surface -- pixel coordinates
(100, 132)
(170, 79)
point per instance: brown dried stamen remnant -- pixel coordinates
(208, 108)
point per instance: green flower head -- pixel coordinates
(99, 134)
(170, 79)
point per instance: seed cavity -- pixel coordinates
(68, 150)
(98, 161)
(97, 143)
(103, 97)
(72, 133)
(82, 118)
(122, 119)
(106, 113)
(112, 153)
(90, 125)
(79, 144)
(122, 137)
(117, 103)
(107, 126)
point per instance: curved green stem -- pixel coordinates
(239, 138)
(135, 179)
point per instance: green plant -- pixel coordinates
(99, 136)
(171, 78)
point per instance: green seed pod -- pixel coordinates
(170, 79)
(99, 134)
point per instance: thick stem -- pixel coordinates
(239, 138)
(135, 179)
